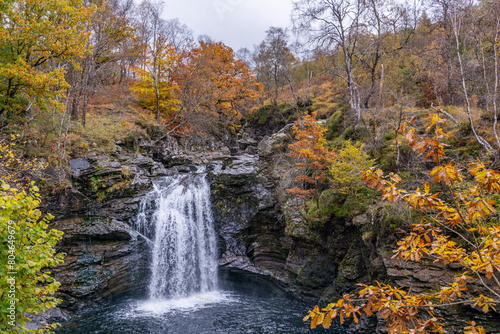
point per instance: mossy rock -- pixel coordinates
(334, 125)
(90, 277)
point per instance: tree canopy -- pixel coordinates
(36, 38)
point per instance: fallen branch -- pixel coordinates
(447, 114)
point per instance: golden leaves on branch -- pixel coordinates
(456, 227)
(473, 329)
(446, 174)
(486, 178)
(433, 145)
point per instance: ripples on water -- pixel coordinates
(244, 306)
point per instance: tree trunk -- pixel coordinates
(84, 109)
(495, 93)
(354, 101)
(381, 88)
(373, 75)
(157, 100)
(86, 93)
(480, 139)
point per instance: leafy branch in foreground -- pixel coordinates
(27, 248)
(456, 227)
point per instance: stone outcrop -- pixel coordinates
(260, 233)
(248, 217)
(105, 257)
(258, 230)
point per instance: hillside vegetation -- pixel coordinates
(390, 102)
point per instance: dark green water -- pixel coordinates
(244, 304)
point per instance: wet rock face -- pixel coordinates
(318, 264)
(105, 257)
(258, 231)
(248, 218)
(251, 220)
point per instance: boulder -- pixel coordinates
(276, 143)
(79, 165)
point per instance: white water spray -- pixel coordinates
(177, 216)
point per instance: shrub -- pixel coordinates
(27, 248)
(345, 171)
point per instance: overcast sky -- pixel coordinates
(238, 23)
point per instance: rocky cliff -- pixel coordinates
(258, 230)
(262, 233)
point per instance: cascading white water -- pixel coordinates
(177, 217)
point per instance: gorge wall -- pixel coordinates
(258, 231)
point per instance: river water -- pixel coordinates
(187, 293)
(244, 304)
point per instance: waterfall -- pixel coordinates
(177, 217)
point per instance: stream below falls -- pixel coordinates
(187, 293)
(244, 304)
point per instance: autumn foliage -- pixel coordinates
(344, 172)
(214, 89)
(457, 227)
(34, 37)
(313, 160)
(155, 83)
(27, 245)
